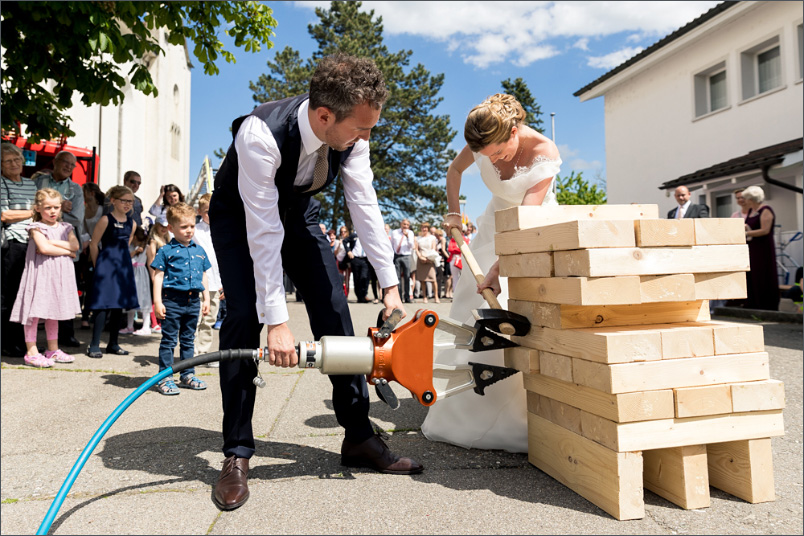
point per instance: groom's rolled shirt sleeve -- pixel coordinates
(361, 198)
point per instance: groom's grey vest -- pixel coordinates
(226, 211)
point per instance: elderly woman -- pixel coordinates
(16, 200)
(762, 279)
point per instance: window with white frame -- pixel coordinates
(761, 67)
(800, 32)
(710, 90)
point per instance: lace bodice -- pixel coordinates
(511, 192)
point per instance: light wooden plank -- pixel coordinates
(564, 415)
(555, 366)
(699, 401)
(626, 407)
(527, 265)
(671, 373)
(721, 286)
(568, 235)
(610, 480)
(526, 217)
(693, 339)
(758, 396)
(736, 338)
(713, 231)
(607, 262)
(657, 434)
(743, 469)
(522, 359)
(667, 288)
(664, 232)
(605, 345)
(559, 316)
(679, 474)
(576, 290)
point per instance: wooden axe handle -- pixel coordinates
(469, 260)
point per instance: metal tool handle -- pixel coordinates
(487, 293)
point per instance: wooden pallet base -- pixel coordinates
(614, 480)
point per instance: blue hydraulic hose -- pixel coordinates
(224, 355)
(44, 528)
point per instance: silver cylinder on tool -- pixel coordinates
(338, 355)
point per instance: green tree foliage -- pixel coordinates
(409, 145)
(575, 190)
(81, 47)
(519, 90)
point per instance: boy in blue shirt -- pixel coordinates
(180, 284)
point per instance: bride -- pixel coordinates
(518, 165)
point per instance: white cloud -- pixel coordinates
(579, 164)
(582, 43)
(485, 33)
(614, 58)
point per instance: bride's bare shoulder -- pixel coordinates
(545, 147)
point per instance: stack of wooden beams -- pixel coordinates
(630, 383)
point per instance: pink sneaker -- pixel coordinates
(38, 361)
(59, 357)
(126, 331)
(156, 329)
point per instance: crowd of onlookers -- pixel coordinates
(69, 249)
(428, 262)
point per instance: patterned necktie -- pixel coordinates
(321, 168)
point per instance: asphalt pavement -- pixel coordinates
(154, 471)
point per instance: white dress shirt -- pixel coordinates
(682, 209)
(407, 245)
(259, 158)
(204, 239)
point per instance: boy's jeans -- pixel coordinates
(181, 316)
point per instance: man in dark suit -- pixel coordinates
(685, 208)
(283, 153)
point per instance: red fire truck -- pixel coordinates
(39, 156)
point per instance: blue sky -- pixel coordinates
(556, 47)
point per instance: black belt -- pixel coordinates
(177, 292)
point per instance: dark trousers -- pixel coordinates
(13, 265)
(308, 261)
(181, 318)
(360, 271)
(402, 265)
(114, 316)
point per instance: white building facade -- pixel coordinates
(699, 107)
(147, 134)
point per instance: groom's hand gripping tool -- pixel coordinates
(405, 354)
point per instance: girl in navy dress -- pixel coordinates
(113, 288)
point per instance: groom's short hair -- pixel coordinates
(341, 82)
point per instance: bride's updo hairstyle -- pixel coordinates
(491, 121)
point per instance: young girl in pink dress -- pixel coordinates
(48, 289)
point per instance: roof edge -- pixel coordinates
(712, 13)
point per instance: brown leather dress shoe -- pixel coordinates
(375, 454)
(231, 490)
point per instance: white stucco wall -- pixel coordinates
(652, 135)
(136, 135)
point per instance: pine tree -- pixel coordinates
(409, 145)
(519, 90)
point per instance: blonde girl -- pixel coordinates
(113, 287)
(158, 236)
(48, 289)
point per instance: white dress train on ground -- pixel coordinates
(497, 420)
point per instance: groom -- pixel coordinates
(283, 153)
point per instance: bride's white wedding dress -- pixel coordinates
(497, 420)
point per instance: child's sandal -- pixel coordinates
(38, 361)
(192, 382)
(59, 357)
(167, 387)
